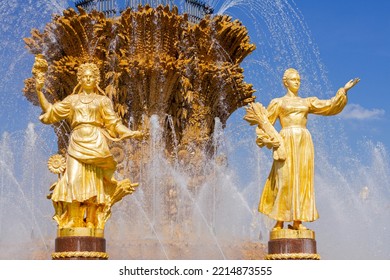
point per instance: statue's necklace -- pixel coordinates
(86, 98)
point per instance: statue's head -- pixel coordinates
(292, 79)
(88, 75)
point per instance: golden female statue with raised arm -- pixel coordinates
(83, 196)
(288, 194)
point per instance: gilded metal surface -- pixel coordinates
(152, 62)
(288, 194)
(146, 71)
(78, 254)
(86, 189)
(293, 256)
(161, 64)
(80, 231)
(291, 233)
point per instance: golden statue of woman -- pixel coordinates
(85, 193)
(288, 194)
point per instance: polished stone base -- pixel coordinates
(288, 244)
(80, 248)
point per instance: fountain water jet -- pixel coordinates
(23, 213)
(262, 69)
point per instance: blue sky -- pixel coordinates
(354, 40)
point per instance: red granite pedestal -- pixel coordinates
(289, 244)
(80, 244)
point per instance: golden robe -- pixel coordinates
(89, 165)
(288, 194)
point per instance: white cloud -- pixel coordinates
(357, 112)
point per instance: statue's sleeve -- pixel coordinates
(328, 107)
(273, 110)
(57, 111)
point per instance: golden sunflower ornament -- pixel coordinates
(56, 164)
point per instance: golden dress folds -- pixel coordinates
(288, 194)
(89, 165)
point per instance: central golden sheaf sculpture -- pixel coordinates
(153, 62)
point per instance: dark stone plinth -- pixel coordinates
(291, 246)
(80, 248)
(292, 249)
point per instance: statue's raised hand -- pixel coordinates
(350, 84)
(39, 82)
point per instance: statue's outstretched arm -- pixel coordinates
(124, 132)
